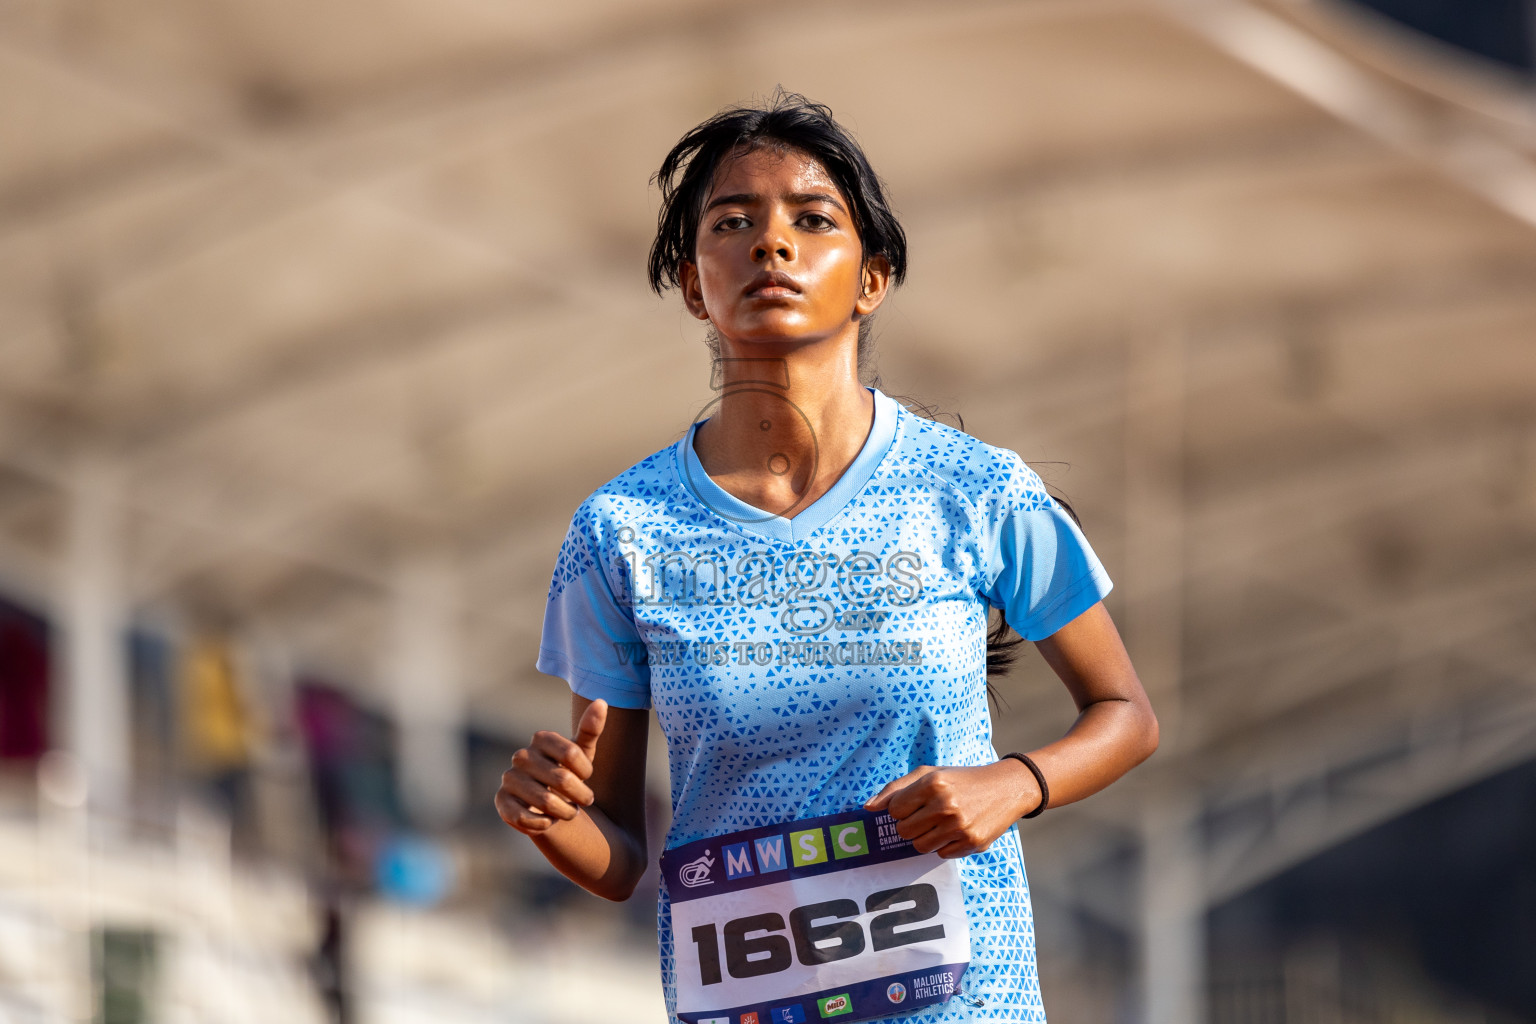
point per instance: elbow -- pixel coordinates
(1150, 734)
(624, 873)
(616, 890)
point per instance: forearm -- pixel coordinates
(956, 811)
(582, 800)
(1109, 738)
(595, 853)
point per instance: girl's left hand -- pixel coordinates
(958, 811)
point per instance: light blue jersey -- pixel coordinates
(798, 665)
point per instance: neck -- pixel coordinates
(791, 419)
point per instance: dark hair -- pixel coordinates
(788, 121)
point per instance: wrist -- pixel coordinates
(1023, 790)
(1036, 794)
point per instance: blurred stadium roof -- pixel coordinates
(319, 288)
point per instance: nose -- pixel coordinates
(776, 241)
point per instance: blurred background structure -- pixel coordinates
(317, 321)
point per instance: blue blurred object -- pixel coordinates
(413, 869)
(1496, 30)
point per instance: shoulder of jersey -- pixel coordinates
(984, 473)
(647, 487)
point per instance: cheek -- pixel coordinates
(716, 288)
(713, 269)
(841, 275)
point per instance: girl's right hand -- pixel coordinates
(547, 782)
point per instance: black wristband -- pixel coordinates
(1045, 791)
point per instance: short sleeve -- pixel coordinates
(589, 637)
(1041, 570)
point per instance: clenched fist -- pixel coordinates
(957, 811)
(548, 778)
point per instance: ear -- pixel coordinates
(875, 282)
(693, 293)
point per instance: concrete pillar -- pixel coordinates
(94, 615)
(1172, 912)
(427, 692)
(1172, 895)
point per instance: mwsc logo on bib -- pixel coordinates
(799, 849)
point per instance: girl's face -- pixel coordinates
(777, 257)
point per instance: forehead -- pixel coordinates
(766, 170)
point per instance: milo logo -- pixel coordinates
(832, 1006)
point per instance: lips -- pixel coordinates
(772, 284)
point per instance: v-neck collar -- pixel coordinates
(751, 519)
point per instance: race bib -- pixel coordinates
(834, 917)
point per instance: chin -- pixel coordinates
(773, 333)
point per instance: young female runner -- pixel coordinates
(800, 588)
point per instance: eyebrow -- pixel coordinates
(794, 198)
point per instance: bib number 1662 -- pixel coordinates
(822, 932)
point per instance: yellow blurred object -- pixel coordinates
(215, 723)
